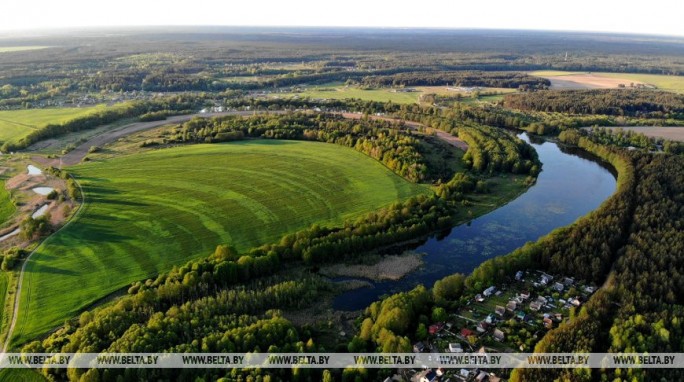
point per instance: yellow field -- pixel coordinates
(663, 82)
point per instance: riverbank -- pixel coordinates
(392, 267)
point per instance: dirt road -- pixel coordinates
(77, 154)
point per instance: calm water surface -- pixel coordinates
(569, 187)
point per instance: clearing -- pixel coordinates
(145, 213)
(401, 96)
(585, 80)
(16, 124)
(671, 133)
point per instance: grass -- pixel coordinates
(339, 91)
(660, 81)
(342, 92)
(4, 49)
(7, 207)
(146, 212)
(16, 124)
(20, 375)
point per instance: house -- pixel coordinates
(494, 378)
(575, 301)
(548, 323)
(511, 306)
(479, 298)
(455, 347)
(535, 305)
(490, 319)
(418, 347)
(499, 335)
(482, 327)
(558, 316)
(425, 376)
(482, 377)
(465, 373)
(500, 310)
(524, 295)
(589, 289)
(465, 333)
(519, 275)
(545, 279)
(568, 281)
(489, 291)
(520, 316)
(435, 328)
(558, 286)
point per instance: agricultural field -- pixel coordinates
(583, 80)
(145, 213)
(16, 124)
(338, 91)
(21, 375)
(4, 49)
(671, 133)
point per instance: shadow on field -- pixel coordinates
(42, 268)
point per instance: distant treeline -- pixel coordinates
(459, 78)
(617, 102)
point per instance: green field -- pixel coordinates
(339, 91)
(146, 212)
(670, 83)
(7, 208)
(20, 375)
(16, 124)
(343, 92)
(4, 49)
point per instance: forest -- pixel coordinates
(460, 78)
(628, 102)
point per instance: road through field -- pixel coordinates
(77, 154)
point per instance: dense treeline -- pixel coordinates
(635, 103)
(109, 115)
(230, 320)
(641, 306)
(461, 78)
(490, 150)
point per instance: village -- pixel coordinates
(507, 318)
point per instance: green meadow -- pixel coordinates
(16, 124)
(146, 212)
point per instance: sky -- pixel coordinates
(626, 16)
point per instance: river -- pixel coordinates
(570, 185)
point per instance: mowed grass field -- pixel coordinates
(16, 124)
(339, 91)
(663, 82)
(21, 375)
(146, 212)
